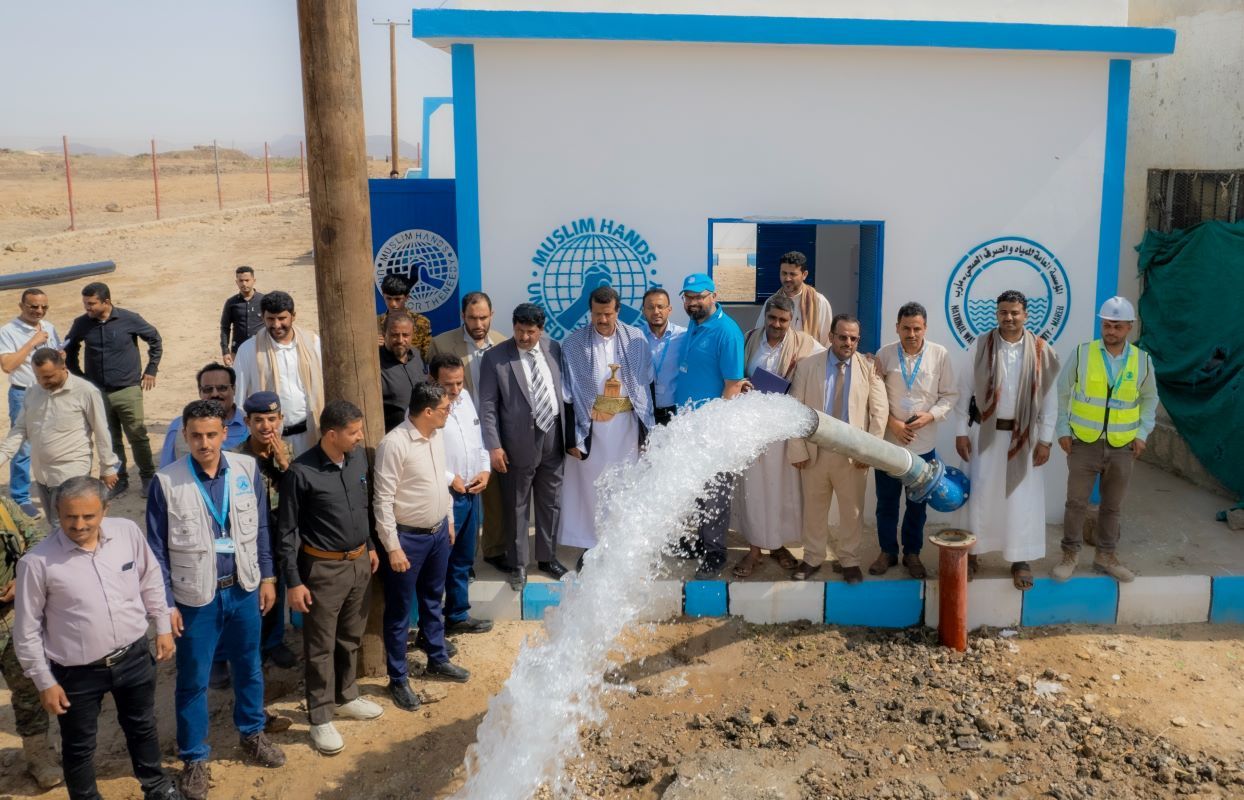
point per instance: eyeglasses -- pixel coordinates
(214, 389)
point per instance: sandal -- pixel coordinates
(1021, 575)
(745, 567)
(784, 558)
(973, 565)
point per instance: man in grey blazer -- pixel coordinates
(520, 404)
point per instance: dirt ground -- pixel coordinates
(781, 711)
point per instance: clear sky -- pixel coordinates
(119, 72)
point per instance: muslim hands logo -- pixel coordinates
(581, 256)
(425, 259)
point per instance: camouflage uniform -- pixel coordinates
(272, 629)
(421, 340)
(19, 533)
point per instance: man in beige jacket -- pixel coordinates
(845, 385)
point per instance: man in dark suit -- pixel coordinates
(520, 390)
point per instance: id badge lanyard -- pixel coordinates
(909, 402)
(224, 544)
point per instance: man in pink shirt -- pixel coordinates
(84, 598)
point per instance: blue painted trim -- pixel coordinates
(466, 167)
(1227, 599)
(538, 597)
(1085, 601)
(445, 23)
(1108, 235)
(875, 604)
(705, 599)
(430, 104)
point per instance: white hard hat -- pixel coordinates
(1118, 309)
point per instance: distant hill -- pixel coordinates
(287, 147)
(78, 149)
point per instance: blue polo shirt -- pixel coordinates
(712, 353)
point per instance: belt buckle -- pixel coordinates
(225, 583)
(113, 658)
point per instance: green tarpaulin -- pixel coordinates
(1192, 311)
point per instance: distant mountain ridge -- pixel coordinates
(378, 146)
(286, 146)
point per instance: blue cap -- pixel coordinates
(262, 403)
(698, 282)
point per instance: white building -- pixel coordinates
(937, 152)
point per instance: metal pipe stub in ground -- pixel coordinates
(952, 582)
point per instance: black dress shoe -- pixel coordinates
(403, 697)
(448, 670)
(468, 625)
(498, 562)
(419, 641)
(554, 568)
(282, 656)
(517, 579)
(578, 565)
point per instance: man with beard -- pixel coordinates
(401, 368)
(469, 343)
(285, 359)
(768, 502)
(1012, 380)
(607, 383)
(710, 365)
(215, 382)
(665, 340)
(813, 313)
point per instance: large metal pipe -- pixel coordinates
(944, 488)
(43, 277)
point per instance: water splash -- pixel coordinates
(532, 725)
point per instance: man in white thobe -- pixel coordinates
(606, 375)
(1012, 378)
(286, 359)
(813, 314)
(768, 501)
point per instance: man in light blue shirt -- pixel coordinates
(710, 365)
(665, 340)
(215, 382)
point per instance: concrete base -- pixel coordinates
(1165, 600)
(767, 603)
(991, 601)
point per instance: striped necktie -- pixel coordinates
(543, 410)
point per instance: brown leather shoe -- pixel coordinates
(883, 563)
(260, 750)
(914, 568)
(852, 575)
(195, 780)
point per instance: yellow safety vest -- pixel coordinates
(1096, 405)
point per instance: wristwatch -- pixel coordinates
(268, 580)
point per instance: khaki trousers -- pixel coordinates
(832, 476)
(1085, 464)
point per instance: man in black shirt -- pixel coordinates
(327, 558)
(113, 363)
(241, 318)
(400, 368)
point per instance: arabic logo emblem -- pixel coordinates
(582, 255)
(992, 267)
(426, 260)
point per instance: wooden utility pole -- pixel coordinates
(341, 229)
(394, 171)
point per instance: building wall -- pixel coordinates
(949, 149)
(1187, 109)
(440, 144)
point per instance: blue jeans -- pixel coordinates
(467, 512)
(231, 622)
(19, 467)
(424, 581)
(889, 490)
